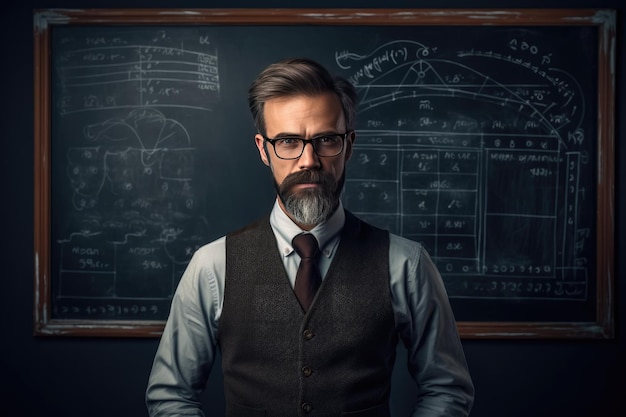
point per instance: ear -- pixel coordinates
(260, 144)
(349, 144)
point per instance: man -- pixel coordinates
(332, 352)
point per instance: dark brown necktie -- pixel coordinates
(308, 276)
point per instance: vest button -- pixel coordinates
(306, 407)
(306, 371)
(308, 334)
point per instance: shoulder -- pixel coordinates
(405, 253)
(209, 249)
(405, 247)
(202, 278)
(208, 258)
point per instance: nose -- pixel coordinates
(309, 158)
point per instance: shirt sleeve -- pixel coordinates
(187, 348)
(426, 324)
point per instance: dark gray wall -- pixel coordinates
(78, 377)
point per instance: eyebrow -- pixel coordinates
(296, 135)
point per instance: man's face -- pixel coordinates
(309, 187)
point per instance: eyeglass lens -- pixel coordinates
(328, 145)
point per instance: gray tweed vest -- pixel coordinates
(334, 361)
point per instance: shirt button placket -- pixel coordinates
(307, 408)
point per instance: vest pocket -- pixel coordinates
(381, 410)
(237, 410)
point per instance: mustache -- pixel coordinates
(309, 176)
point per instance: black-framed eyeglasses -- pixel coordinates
(293, 147)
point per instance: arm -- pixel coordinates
(187, 348)
(428, 329)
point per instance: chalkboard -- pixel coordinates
(485, 135)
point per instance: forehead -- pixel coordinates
(303, 113)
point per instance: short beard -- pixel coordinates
(310, 206)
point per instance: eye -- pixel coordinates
(288, 142)
(327, 139)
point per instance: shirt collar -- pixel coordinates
(326, 233)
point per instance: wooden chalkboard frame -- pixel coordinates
(604, 20)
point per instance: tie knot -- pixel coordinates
(305, 245)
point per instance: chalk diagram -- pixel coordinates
(135, 218)
(134, 214)
(479, 156)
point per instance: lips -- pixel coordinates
(303, 185)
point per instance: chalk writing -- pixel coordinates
(451, 166)
(108, 72)
(134, 214)
(479, 142)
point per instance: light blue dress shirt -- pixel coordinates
(423, 317)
